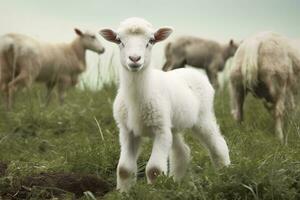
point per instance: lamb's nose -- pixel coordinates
(135, 58)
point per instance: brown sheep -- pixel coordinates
(200, 53)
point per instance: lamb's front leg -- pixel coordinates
(158, 162)
(127, 167)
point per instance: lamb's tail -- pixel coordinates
(249, 62)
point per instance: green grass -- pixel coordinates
(35, 138)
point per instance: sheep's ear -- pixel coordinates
(231, 42)
(78, 32)
(162, 34)
(109, 35)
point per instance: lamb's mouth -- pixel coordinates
(133, 67)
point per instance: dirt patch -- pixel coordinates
(3, 168)
(55, 184)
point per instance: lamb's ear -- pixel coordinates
(162, 34)
(231, 42)
(109, 35)
(78, 32)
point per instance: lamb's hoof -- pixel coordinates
(152, 174)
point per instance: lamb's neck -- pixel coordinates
(79, 51)
(136, 85)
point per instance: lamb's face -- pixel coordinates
(135, 38)
(135, 50)
(90, 41)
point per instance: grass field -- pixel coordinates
(59, 151)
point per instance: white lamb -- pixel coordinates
(159, 104)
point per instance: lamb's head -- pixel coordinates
(135, 37)
(89, 41)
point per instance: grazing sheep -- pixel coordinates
(266, 65)
(24, 60)
(159, 104)
(200, 53)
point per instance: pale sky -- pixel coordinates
(54, 20)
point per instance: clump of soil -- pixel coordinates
(58, 183)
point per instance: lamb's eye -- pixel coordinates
(152, 41)
(118, 41)
(93, 37)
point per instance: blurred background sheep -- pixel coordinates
(24, 60)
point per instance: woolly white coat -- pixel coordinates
(172, 99)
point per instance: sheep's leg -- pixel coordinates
(278, 92)
(20, 81)
(50, 86)
(213, 77)
(63, 84)
(127, 167)
(2, 72)
(61, 94)
(4, 79)
(158, 162)
(237, 94)
(291, 98)
(278, 115)
(207, 130)
(179, 157)
(4, 89)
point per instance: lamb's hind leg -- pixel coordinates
(207, 130)
(179, 157)
(127, 166)
(158, 162)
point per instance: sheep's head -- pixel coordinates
(232, 47)
(135, 38)
(89, 41)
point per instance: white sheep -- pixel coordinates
(24, 59)
(159, 104)
(267, 65)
